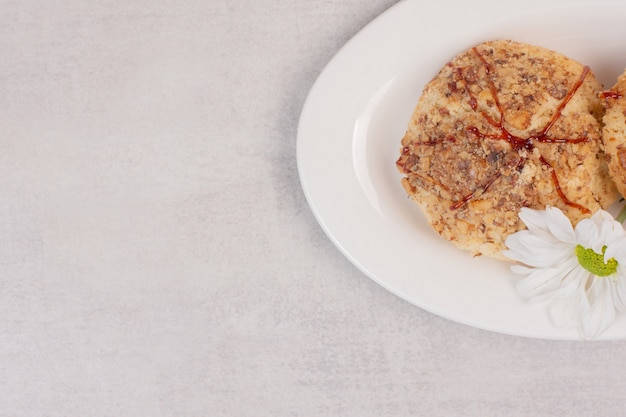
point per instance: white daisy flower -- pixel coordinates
(581, 271)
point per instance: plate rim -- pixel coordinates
(308, 107)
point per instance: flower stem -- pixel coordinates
(621, 217)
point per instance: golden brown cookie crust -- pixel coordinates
(505, 125)
(614, 132)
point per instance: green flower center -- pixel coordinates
(594, 262)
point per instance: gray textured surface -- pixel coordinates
(157, 256)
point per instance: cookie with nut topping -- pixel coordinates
(505, 125)
(614, 131)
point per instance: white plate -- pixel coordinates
(349, 139)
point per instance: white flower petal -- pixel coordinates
(544, 283)
(536, 252)
(565, 311)
(526, 240)
(521, 269)
(534, 219)
(618, 288)
(573, 281)
(550, 224)
(617, 251)
(602, 216)
(588, 235)
(602, 312)
(538, 283)
(611, 230)
(598, 231)
(560, 225)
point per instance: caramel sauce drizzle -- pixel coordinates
(610, 94)
(519, 143)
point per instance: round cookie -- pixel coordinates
(505, 125)
(614, 132)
